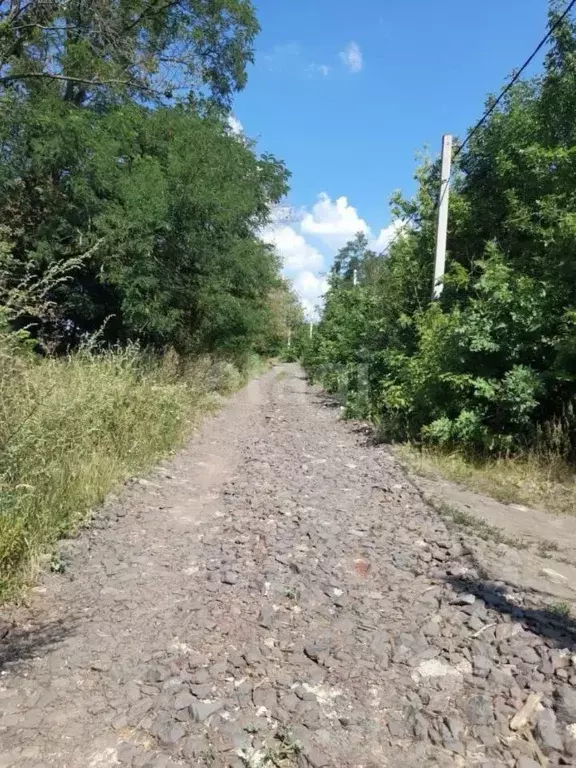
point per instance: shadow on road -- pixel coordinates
(21, 644)
(556, 626)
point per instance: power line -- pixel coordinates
(516, 77)
(473, 131)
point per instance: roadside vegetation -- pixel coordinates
(72, 428)
(532, 479)
(483, 381)
(134, 288)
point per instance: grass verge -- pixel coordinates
(547, 482)
(73, 428)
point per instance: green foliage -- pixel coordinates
(102, 50)
(160, 201)
(168, 204)
(491, 366)
(560, 610)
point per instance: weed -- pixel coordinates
(281, 752)
(560, 610)
(57, 565)
(284, 750)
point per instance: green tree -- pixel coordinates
(150, 49)
(491, 365)
(163, 202)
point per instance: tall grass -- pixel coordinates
(72, 428)
(541, 477)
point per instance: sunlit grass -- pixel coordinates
(73, 428)
(537, 479)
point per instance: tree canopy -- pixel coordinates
(96, 49)
(116, 155)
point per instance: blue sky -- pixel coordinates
(348, 92)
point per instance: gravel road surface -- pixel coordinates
(279, 594)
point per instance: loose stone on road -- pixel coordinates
(279, 594)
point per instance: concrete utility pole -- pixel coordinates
(442, 230)
(311, 329)
(355, 278)
(289, 337)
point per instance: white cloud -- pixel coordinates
(386, 236)
(311, 289)
(352, 58)
(334, 221)
(293, 249)
(319, 69)
(235, 125)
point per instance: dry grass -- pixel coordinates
(543, 480)
(71, 429)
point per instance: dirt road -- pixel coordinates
(280, 595)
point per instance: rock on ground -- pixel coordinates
(280, 595)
